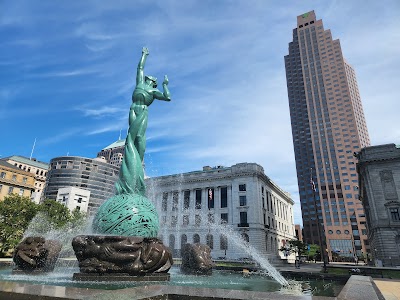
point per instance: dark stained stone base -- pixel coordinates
(29, 272)
(120, 277)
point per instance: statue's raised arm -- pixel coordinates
(165, 95)
(140, 68)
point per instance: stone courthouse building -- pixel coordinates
(379, 184)
(240, 197)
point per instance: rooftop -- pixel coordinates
(118, 143)
(8, 165)
(31, 162)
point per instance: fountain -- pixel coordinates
(125, 252)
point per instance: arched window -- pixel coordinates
(183, 240)
(41, 173)
(172, 242)
(196, 238)
(210, 241)
(245, 237)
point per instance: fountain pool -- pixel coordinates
(62, 276)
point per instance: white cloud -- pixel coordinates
(226, 69)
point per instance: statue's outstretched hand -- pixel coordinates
(165, 80)
(145, 50)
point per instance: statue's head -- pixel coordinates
(150, 80)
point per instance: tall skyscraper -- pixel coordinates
(328, 126)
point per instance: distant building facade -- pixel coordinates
(299, 232)
(240, 196)
(38, 168)
(328, 126)
(13, 180)
(94, 175)
(379, 184)
(113, 153)
(74, 198)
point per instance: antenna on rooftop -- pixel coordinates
(34, 143)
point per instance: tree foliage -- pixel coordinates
(58, 214)
(20, 216)
(294, 246)
(15, 214)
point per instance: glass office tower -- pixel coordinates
(328, 126)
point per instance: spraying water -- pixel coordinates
(234, 237)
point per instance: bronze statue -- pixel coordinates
(35, 253)
(129, 212)
(196, 259)
(120, 254)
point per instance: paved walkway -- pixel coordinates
(390, 288)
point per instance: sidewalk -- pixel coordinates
(390, 288)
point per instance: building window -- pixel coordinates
(223, 242)
(10, 190)
(164, 204)
(174, 220)
(196, 238)
(210, 241)
(186, 199)
(24, 179)
(185, 220)
(80, 200)
(242, 187)
(21, 192)
(78, 208)
(224, 197)
(14, 178)
(1, 186)
(175, 197)
(197, 220)
(394, 214)
(198, 199)
(224, 218)
(242, 201)
(210, 194)
(183, 240)
(3, 175)
(243, 217)
(171, 242)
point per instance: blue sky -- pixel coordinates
(67, 71)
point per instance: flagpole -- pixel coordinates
(34, 143)
(317, 219)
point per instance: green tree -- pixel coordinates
(58, 214)
(314, 249)
(15, 214)
(294, 246)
